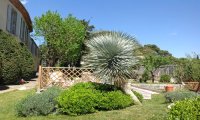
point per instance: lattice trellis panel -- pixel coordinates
(64, 76)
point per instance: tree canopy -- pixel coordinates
(64, 38)
(151, 49)
(152, 62)
(49, 27)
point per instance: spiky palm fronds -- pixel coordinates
(111, 54)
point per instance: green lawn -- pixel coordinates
(154, 109)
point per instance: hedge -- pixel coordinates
(16, 61)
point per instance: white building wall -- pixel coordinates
(3, 14)
(3, 17)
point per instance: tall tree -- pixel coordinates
(188, 70)
(64, 38)
(89, 28)
(151, 63)
(111, 57)
(49, 27)
(72, 40)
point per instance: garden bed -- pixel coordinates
(154, 109)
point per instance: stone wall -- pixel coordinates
(157, 87)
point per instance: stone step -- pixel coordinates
(144, 90)
(145, 93)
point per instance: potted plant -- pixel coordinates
(169, 88)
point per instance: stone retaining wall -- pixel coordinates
(157, 87)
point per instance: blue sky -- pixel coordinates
(173, 25)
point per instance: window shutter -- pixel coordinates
(13, 21)
(9, 9)
(21, 30)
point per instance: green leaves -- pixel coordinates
(165, 78)
(185, 110)
(111, 55)
(84, 98)
(39, 104)
(179, 95)
(73, 38)
(188, 70)
(151, 49)
(48, 23)
(49, 26)
(16, 61)
(153, 62)
(63, 38)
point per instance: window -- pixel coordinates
(22, 30)
(26, 32)
(8, 18)
(25, 35)
(32, 46)
(11, 20)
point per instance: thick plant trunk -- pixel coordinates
(126, 87)
(152, 77)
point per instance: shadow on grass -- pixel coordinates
(3, 87)
(31, 80)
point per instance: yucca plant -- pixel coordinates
(111, 55)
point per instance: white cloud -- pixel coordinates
(23, 1)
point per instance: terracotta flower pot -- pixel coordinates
(169, 88)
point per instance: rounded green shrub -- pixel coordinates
(188, 109)
(84, 98)
(114, 100)
(27, 64)
(145, 77)
(78, 101)
(16, 61)
(9, 59)
(139, 96)
(38, 104)
(87, 85)
(96, 86)
(165, 78)
(179, 95)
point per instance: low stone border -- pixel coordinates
(157, 87)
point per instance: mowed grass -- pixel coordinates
(154, 109)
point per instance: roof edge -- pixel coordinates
(24, 13)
